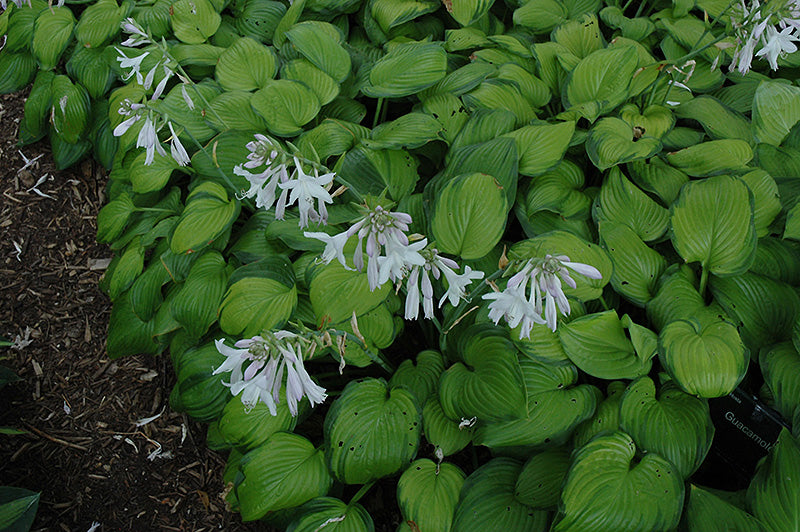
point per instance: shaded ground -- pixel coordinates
(83, 450)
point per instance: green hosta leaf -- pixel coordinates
(261, 296)
(196, 306)
(637, 267)
(33, 125)
(555, 408)
(65, 154)
(127, 334)
(250, 427)
(776, 109)
(113, 217)
(497, 94)
(497, 158)
(99, 22)
(606, 417)
(778, 259)
(780, 365)
(231, 110)
(656, 121)
(712, 223)
(286, 106)
(712, 157)
(792, 229)
(559, 191)
(441, 431)
(207, 215)
(600, 81)
(193, 120)
(427, 494)
(718, 120)
(613, 141)
(198, 391)
(539, 483)
(263, 19)
(533, 89)
(707, 361)
(488, 384)
(541, 16)
(324, 86)
(659, 178)
(578, 250)
(51, 35)
(604, 490)
(371, 171)
(332, 515)
(407, 69)
(153, 177)
(469, 216)
(127, 269)
(751, 300)
(391, 13)
(670, 423)
(466, 12)
(88, 67)
(70, 115)
(223, 152)
(767, 202)
(409, 131)
(371, 431)
(332, 137)
(17, 508)
(246, 65)
(487, 501)
(194, 21)
(449, 111)
(541, 147)
(622, 202)
(774, 490)
(422, 378)
(705, 511)
(320, 43)
(337, 293)
(597, 344)
(284, 472)
(580, 36)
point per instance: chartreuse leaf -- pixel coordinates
(600, 81)
(707, 512)
(261, 296)
(391, 13)
(637, 267)
(597, 344)
(207, 215)
(614, 141)
(442, 432)
(539, 482)
(193, 120)
(487, 501)
(670, 423)
(750, 299)
(427, 494)
(321, 43)
(718, 120)
(605, 418)
(712, 223)
(580, 36)
(246, 65)
(332, 137)
(767, 203)
(712, 157)
(541, 16)
(222, 153)
(88, 67)
(113, 217)
(497, 94)
(406, 69)
(554, 408)
(284, 472)
(469, 216)
(51, 35)
(371, 171)
(578, 250)
(559, 191)
(151, 177)
(411, 130)
(659, 178)
(488, 384)
(541, 147)
(231, 110)
(776, 109)
(466, 12)
(622, 202)
(324, 86)
(249, 427)
(99, 22)
(371, 431)
(286, 106)
(606, 490)
(332, 515)
(70, 111)
(422, 378)
(655, 121)
(337, 293)
(780, 365)
(774, 490)
(196, 306)
(705, 360)
(194, 21)
(127, 269)
(17, 508)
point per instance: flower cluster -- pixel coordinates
(545, 276)
(300, 187)
(148, 135)
(772, 28)
(262, 379)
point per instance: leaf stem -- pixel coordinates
(703, 281)
(361, 492)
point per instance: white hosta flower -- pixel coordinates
(512, 305)
(262, 379)
(133, 111)
(148, 139)
(264, 185)
(163, 83)
(177, 149)
(262, 151)
(778, 44)
(306, 188)
(186, 98)
(134, 63)
(400, 258)
(334, 247)
(136, 34)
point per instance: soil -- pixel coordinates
(83, 449)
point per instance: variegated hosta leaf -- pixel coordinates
(331, 515)
(637, 267)
(706, 512)
(559, 191)
(780, 365)
(659, 178)
(776, 109)
(605, 418)
(712, 157)
(606, 490)
(446, 434)
(623, 202)
(407, 69)
(670, 423)
(422, 378)
(718, 120)
(427, 494)
(487, 501)
(539, 482)
(600, 81)
(705, 360)
(774, 490)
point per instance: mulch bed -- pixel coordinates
(83, 449)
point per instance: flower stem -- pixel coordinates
(361, 492)
(703, 281)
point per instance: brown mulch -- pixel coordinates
(83, 450)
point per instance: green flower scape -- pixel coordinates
(496, 254)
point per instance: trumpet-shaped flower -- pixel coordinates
(334, 247)
(304, 189)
